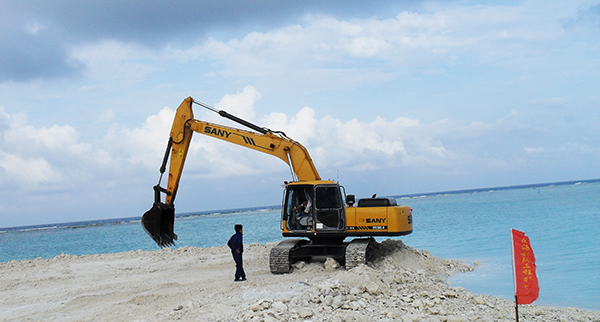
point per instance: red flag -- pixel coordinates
(526, 283)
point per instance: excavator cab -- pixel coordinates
(298, 208)
(313, 208)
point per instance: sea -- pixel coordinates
(561, 219)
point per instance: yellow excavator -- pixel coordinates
(317, 212)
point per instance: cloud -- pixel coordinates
(381, 143)
(53, 155)
(332, 142)
(56, 139)
(240, 104)
(324, 52)
(125, 161)
(38, 35)
(378, 144)
(534, 150)
(311, 40)
(34, 52)
(106, 116)
(29, 170)
(114, 60)
(588, 16)
(143, 145)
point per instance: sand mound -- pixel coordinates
(196, 284)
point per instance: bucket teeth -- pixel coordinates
(158, 223)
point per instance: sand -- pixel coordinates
(196, 284)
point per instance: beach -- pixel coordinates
(196, 284)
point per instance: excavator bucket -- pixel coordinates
(158, 223)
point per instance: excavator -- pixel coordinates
(316, 214)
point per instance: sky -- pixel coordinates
(389, 97)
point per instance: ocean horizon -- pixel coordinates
(472, 225)
(109, 221)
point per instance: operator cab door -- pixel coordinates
(298, 211)
(329, 208)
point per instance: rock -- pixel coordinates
(331, 264)
(304, 312)
(265, 304)
(299, 265)
(450, 294)
(411, 317)
(270, 318)
(373, 289)
(357, 305)
(479, 300)
(337, 302)
(279, 307)
(355, 290)
(260, 305)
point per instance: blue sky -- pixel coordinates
(390, 97)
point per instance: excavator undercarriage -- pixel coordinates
(350, 254)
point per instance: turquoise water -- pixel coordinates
(562, 221)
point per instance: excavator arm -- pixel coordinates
(158, 221)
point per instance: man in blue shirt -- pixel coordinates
(237, 248)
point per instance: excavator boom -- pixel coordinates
(159, 220)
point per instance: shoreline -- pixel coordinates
(196, 284)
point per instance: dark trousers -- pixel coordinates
(239, 266)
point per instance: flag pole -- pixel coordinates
(512, 250)
(516, 309)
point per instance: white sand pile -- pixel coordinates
(194, 284)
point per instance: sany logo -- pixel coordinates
(375, 220)
(217, 132)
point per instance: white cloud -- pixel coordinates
(30, 171)
(55, 138)
(451, 91)
(55, 155)
(485, 33)
(33, 28)
(113, 60)
(534, 150)
(331, 142)
(106, 116)
(143, 145)
(240, 104)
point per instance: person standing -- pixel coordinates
(236, 244)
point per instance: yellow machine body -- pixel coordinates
(313, 208)
(379, 221)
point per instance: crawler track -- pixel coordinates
(358, 252)
(279, 258)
